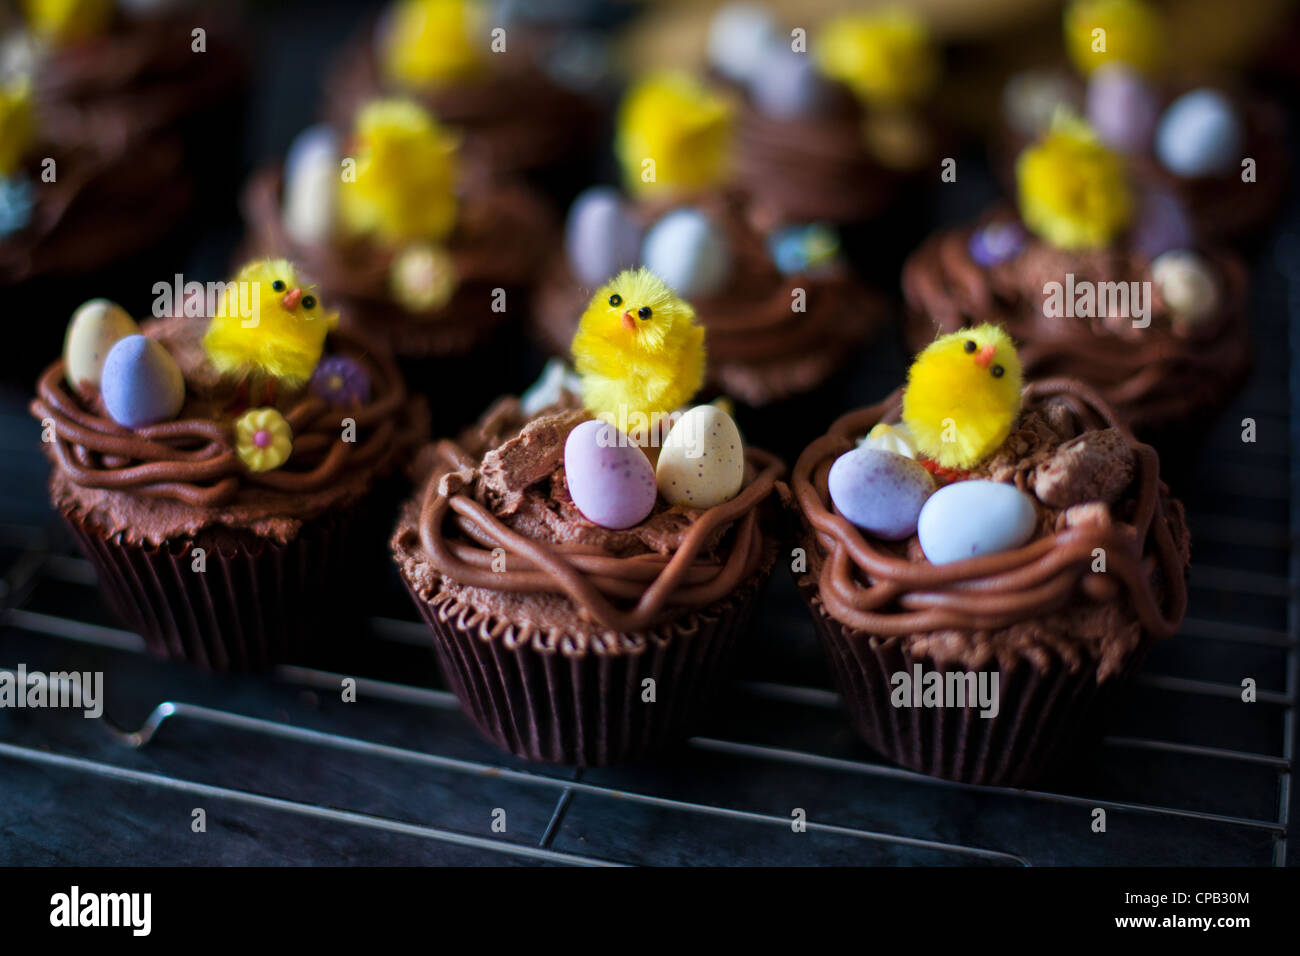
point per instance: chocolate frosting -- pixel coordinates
(501, 235)
(500, 495)
(760, 350)
(181, 476)
(1041, 597)
(1153, 377)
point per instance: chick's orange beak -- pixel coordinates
(291, 298)
(984, 356)
(629, 323)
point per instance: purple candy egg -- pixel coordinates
(1122, 108)
(880, 491)
(141, 384)
(1163, 223)
(995, 243)
(340, 380)
(610, 479)
(787, 84)
(600, 238)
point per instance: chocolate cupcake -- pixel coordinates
(1120, 296)
(977, 631)
(226, 535)
(409, 251)
(502, 84)
(583, 601)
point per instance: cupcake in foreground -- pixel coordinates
(1095, 281)
(587, 566)
(212, 464)
(386, 223)
(780, 308)
(985, 564)
(1219, 149)
(511, 90)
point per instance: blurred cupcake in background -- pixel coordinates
(523, 96)
(1218, 147)
(1096, 279)
(781, 310)
(409, 249)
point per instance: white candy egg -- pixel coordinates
(702, 461)
(311, 177)
(95, 328)
(1187, 286)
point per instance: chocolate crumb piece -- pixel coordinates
(531, 456)
(1090, 512)
(1061, 417)
(1096, 466)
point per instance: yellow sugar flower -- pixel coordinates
(886, 58)
(1073, 190)
(61, 21)
(17, 125)
(1098, 32)
(673, 133)
(431, 42)
(263, 439)
(403, 187)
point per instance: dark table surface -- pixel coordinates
(287, 773)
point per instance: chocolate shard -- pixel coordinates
(1096, 466)
(531, 456)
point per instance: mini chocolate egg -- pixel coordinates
(740, 36)
(896, 438)
(702, 461)
(880, 491)
(1187, 285)
(610, 479)
(1163, 223)
(141, 383)
(95, 328)
(687, 251)
(600, 238)
(1200, 134)
(971, 518)
(1122, 107)
(311, 178)
(788, 85)
(997, 242)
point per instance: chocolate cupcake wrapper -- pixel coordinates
(556, 705)
(254, 605)
(1042, 709)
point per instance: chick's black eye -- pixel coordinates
(970, 345)
(278, 285)
(309, 302)
(615, 299)
(997, 371)
(644, 312)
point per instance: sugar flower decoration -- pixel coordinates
(340, 380)
(1098, 32)
(1073, 191)
(404, 183)
(886, 58)
(263, 439)
(428, 43)
(673, 133)
(17, 124)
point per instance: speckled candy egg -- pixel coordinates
(141, 384)
(600, 239)
(1122, 108)
(880, 491)
(610, 479)
(971, 518)
(95, 328)
(788, 85)
(687, 251)
(702, 461)
(1187, 285)
(311, 176)
(739, 37)
(1200, 135)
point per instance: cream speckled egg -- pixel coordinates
(95, 328)
(702, 461)
(1187, 286)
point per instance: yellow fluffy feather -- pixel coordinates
(284, 338)
(963, 396)
(638, 348)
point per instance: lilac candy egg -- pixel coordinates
(787, 85)
(1163, 223)
(995, 243)
(610, 479)
(141, 384)
(880, 491)
(600, 238)
(1122, 108)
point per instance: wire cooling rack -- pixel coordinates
(285, 771)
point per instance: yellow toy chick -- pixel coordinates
(638, 349)
(427, 43)
(404, 187)
(67, 21)
(17, 124)
(1131, 32)
(268, 326)
(673, 133)
(886, 57)
(963, 396)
